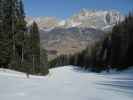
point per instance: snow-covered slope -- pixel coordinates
(66, 83)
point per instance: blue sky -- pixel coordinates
(65, 8)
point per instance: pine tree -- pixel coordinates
(35, 46)
(9, 20)
(3, 41)
(21, 31)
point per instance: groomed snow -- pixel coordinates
(66, 83)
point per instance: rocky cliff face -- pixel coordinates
(101, 19)
(94, 19)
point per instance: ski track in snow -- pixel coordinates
(66, 83)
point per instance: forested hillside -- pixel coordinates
(19, 45)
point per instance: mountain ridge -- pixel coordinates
(98, 19)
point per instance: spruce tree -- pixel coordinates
(35, 46)
(9, 20)
(21, 31)
(3, 41)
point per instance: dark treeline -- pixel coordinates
(122, 43)
(19, 46)
(115, 51)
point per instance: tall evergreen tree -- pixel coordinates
(9, 21)
(21, 31)
(3, 41)
(35, 46)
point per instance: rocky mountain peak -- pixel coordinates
(98, 19)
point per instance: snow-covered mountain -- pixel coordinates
(94, 19)
(98, 19)
(73, 34)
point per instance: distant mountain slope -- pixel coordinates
(69, 41)
(75, 33)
